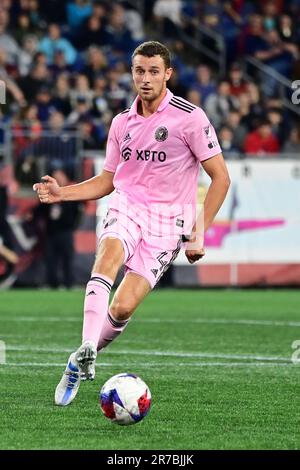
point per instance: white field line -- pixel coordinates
(152, 364)
(221, 321)
(207, 355)
(214, 321)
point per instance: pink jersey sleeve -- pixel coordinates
(112, 157)
(201, 136)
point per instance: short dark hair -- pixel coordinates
(152, 48)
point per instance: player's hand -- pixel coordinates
(194, 252)
(49, 191)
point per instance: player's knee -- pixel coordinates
(109, 257)
(121, 309)
(105, 261)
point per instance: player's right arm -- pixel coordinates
(99, 186)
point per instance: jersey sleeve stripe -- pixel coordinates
(180, 107)
(183, 103)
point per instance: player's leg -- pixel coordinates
(145, 267)
(130, 293)
(110, 257)
(108, 261)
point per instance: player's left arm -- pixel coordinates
(216, 169)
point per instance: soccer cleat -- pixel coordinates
(86, 358)
(68, 387)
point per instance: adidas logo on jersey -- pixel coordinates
(127, 137)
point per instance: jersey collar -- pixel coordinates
(163, 103)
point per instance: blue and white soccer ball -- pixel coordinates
(125, 399)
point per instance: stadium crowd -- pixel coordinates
(66, 65)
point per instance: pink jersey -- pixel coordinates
(156, 159)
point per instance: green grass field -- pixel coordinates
(218, 364)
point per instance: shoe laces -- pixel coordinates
(73, 378)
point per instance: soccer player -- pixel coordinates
(153, 155)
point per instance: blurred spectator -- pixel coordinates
(226, 139)
(234, 10)
(12, 87)
(170, 9)
(231, 22)
(238, 129)
(37, 20)
(30, 84)
(27, 53)
(100, 102)
(59, 65)
(61, 220)
(81, 91)
(6, 4)
(220, 103)
(277, 54)
(250, 107)
(167, 16)
(92, 32)
(81, 110)
(7, 42)
(238, 84)
(77, 12)
(279, 129)
(96, 64)
(252, 37)
(40, 58)
(115, 92)
(125, 77)
(53, 42)
(44, 103)
(32, 9)
(212, 13)
(186, 73)
(204, 82)
(270, 12)
(287, 30)
(118, 37)
(6, 237)
(261, 141)
(61, 95)
(26, 129)
(57, 146)
(100, 9)
(176, 86)
(134, 22)
(23, 28)
(292, 145)
(194, 97)
(90, 135)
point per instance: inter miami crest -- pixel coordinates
(126, 153)
(161, 134)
